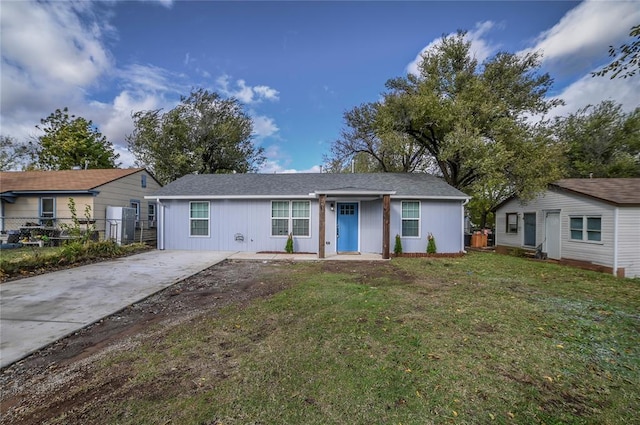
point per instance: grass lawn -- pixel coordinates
(484, 338)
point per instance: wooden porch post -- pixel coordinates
(321, 231)
(386, 225)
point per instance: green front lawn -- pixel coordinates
(480, 339)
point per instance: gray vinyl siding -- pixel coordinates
(568, 204)
(629, 240)
(441, 218)
(371, 226)
(251, 219)
(234, 225)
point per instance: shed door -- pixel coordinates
(347, 229)
(552, 235)
(529, 229)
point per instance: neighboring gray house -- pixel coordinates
(590, 221)
(326, 213)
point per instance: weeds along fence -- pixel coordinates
(56, 231)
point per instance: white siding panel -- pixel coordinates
(629, 240)
(568, 204)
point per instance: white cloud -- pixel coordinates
(480, 48)
(244, 93)
(582, 37)
(263, 126)
(149, 78)
(51, 40)
(593, 90)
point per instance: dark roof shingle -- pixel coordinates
(301, 184)
(617, 191)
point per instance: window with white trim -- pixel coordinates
(512, 223)
(151, 214)
(199, 218)
(585, 228)
(291, 217)
(410, 219)
(47, 207)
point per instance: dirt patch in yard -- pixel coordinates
(65, 382)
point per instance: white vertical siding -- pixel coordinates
(629, 240)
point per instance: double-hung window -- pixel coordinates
(585, 228)
(290, 217)
(199, 218)
(47, 210)
(512, 223)
(151, 214)
(410, 219)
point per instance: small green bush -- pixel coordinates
(289, 246)
(397, 248)
(431, 244)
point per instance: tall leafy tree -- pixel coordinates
(603, 141)
(71, 141)
(473, 121)
(626, 58)
(203, 134)
(12, 153)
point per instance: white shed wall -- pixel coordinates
(568, 204)
(629, 240)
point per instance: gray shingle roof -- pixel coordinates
(261, 185)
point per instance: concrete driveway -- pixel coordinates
(39, 310)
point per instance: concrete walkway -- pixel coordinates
(39, 310)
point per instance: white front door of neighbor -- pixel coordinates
(552, 234)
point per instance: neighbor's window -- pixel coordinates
(143, 181)
(585, 228)
(199, 218)
(290, 217)
(47, 208)
(410, 219)
(151, 214)
(512, 223)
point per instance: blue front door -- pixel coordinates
(347, 227)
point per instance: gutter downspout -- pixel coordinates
(465, 202)
(615, 241)
(160, 232)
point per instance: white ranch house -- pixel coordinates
(327, 214)
(593, 222)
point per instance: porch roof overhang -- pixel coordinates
(352, 192)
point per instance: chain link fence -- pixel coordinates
(56, 231)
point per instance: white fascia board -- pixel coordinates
(446, 198)
(352, 192)
(210, 197)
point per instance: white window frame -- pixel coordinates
(290, 219)
(418, 219)
(207, 219)
(508, 229)
(151, 214)
(584, 230)
(53, 205)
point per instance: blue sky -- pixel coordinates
(296, 66)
